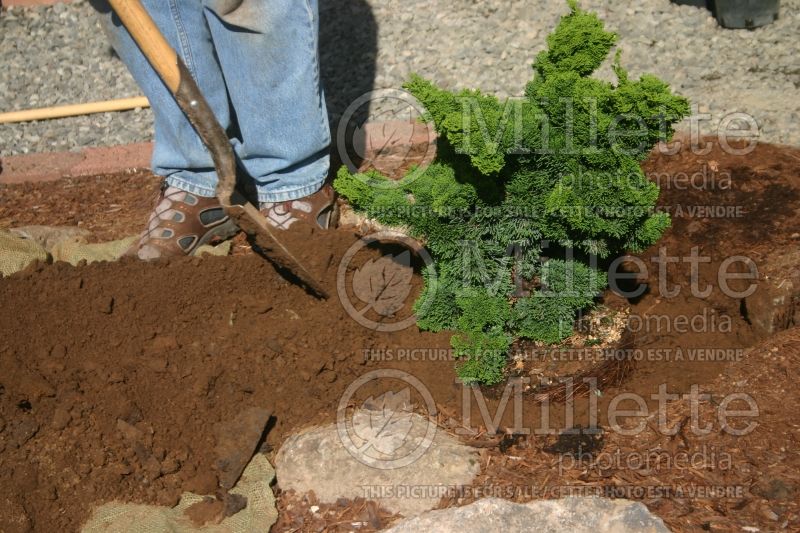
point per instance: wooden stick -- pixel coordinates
(151, 41)
(72, 110)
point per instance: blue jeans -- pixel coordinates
(257, 63)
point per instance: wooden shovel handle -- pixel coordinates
(150, 39)
(191, 101)
(180, 83)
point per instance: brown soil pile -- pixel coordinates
(723, 206)
(116, 378)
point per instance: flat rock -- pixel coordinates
(237, 440)
(399, 459)
(572, 514)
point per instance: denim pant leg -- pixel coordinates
(268, 52)
(179, 154)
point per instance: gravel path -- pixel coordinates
(57, 55)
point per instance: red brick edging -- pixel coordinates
(88, 162)
(390, 147)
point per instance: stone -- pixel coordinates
(24, 431)
(170, 465)
(775, 304)
(208, 511)
(129, 432)
(61, 418)
(237, 440)
(162, 344)
(152, 467)
(205, 482)
(406, 464)
(105, 305)
(33, 386)
(573, 514)
(58, 351)
(120, 469)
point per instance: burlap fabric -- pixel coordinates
(20, 247)
(257, 517)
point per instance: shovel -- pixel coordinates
(179, 81)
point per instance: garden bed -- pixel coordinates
(115, 376)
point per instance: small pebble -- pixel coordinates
(120, 469)
(170, 465)
(58, 351)
(61, 418)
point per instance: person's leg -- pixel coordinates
(179, 154)
(268, 53)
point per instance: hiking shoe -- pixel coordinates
(180, 223)
(319, 210)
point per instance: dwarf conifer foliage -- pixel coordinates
(527, 197)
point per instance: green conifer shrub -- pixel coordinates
(525, 195)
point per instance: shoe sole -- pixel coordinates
(224, 231)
